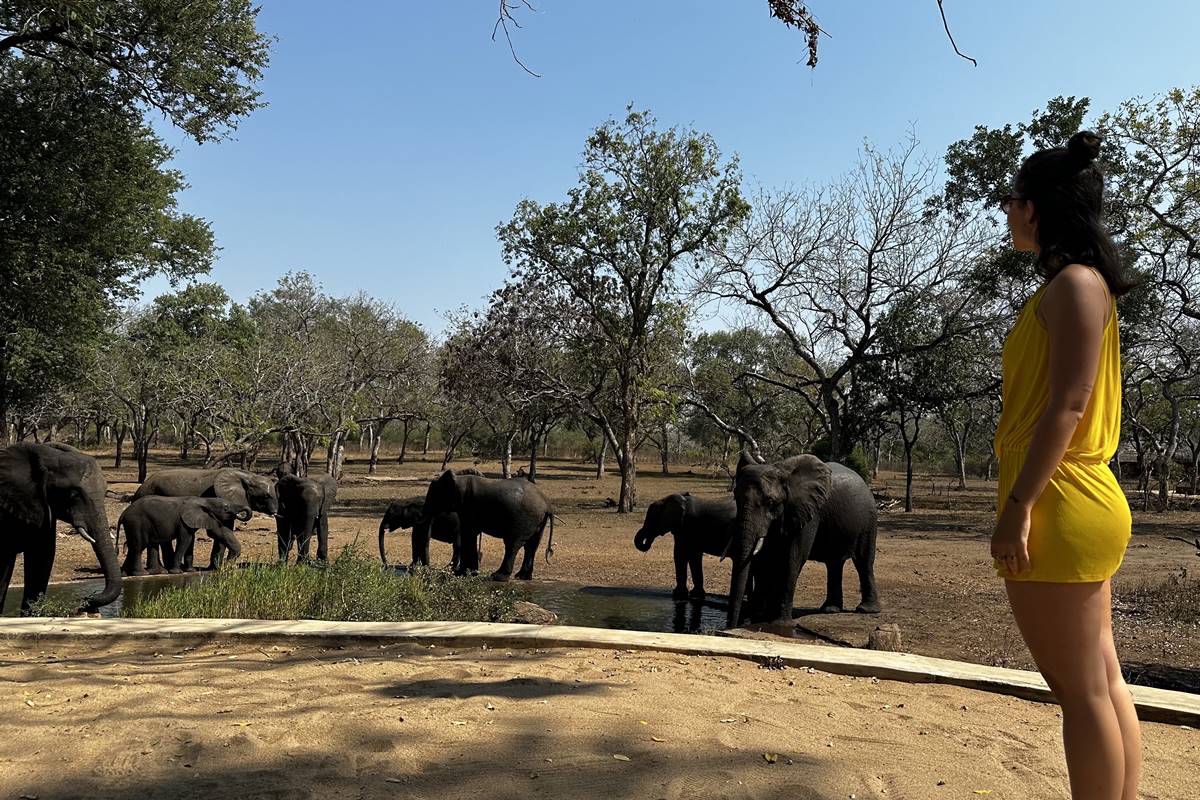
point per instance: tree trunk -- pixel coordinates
(627, 460)
(335, 454)
(725, 451)
(425, 446)
(376, 441)
(404, 442)
(506, 455)
(531, 475)
(121, 431)
(665, 450)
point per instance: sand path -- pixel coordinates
(298, 721)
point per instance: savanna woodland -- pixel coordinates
(870, 313)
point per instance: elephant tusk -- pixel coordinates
(87, 536)
(757, 546)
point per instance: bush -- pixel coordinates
(353, 587)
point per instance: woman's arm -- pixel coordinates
(1075, 307)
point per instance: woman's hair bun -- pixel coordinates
(1084, 148)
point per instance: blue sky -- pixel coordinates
(398, 135)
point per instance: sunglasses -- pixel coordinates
(1007, 200)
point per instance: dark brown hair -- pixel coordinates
(1066, 188)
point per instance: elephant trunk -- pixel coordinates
(383, 529)
(244, 515)
(95, 530)
(745, 544)
(643, 539)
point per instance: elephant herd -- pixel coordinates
(780, 516)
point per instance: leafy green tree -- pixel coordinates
(195, 62)
(87, 210)
(647, 203)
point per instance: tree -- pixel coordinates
(87, 211)
(824, 269)
(195, 62)
(648, 202)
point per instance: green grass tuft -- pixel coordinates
(50, 605)
(353, 587)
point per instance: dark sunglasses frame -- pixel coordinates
(1007, 199)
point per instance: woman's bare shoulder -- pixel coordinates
(1077, 293)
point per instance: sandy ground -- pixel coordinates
(285, 721)
(933, 569)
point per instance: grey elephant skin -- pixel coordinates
(790, 512)
(698, 526)
(304, 505)
(235, 485)
(407, 513)
(41, 484)
(511, 509)
(170, 524)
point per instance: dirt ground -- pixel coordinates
(933, 569)
(222, 720)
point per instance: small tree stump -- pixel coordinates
(885, 637)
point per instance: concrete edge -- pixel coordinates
(1157, 705)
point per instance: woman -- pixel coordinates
(1062, 522)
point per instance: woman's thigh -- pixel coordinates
(1065, 626)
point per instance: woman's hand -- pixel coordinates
(1010, 540)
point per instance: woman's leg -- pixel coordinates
(1122, 701)
(1063, 626)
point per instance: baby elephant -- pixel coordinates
(153, 522)
(406, 513)
(304, 507)
(699, 527)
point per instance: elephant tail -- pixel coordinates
(550, 544)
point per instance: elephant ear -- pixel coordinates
(23, 487)
(672, 510)
(808, 481)
(195, 515)
(230, 485)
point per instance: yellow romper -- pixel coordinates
(1080, 525)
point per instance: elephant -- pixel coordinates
(797, 510)
(39, 485)
(512, 509)
(698, 527)
(304, 506)
(407, 513)
(153, 522)
(239, 487)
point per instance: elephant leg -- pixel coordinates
(39, 558)
(505, 570)
(303, 541)
(283, 535)
(184, 542)
(680, 592)
(468, 552)
(157, 555)
(833, 587)
(225, 546)
(864, 563)
(133, 560)
(323, 537)
(696, 563)
(531, 547)
(797, 554)
(8, 562)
